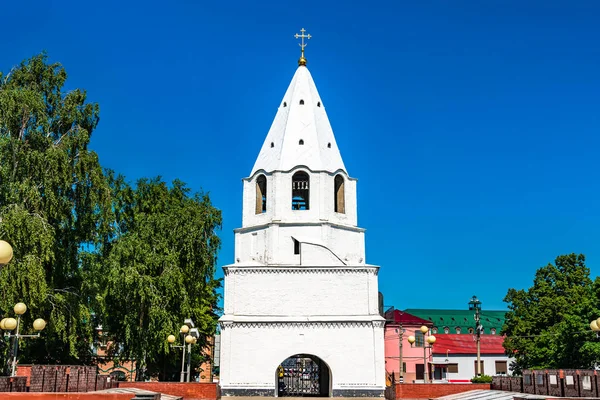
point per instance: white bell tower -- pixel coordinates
(300, 290)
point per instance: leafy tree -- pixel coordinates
(89, 248)
(53, 202)
(547, 325)
(156, 268)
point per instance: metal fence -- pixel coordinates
(551, 382)
(58, 378)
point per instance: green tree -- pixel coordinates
(547, 325)
(52, 200)
(156, 268)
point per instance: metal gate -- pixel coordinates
(300, 375)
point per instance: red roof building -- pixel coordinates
(466, 344)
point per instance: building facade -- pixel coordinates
(455, 357)
(399, 326)
(301, 305)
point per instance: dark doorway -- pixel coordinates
(303, 375)
(420, 371)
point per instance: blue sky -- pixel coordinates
(473, 127)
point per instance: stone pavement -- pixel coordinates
(490, 395)
(139, 393)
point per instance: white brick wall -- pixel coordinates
(354, 354)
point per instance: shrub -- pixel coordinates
(481, 379)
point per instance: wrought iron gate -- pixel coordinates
(299, 375)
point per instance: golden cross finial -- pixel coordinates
(302, 45)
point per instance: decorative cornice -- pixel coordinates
(304, 325)
(300, 270)
(296, 223)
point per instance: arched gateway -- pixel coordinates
(303, 375)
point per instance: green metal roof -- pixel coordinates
(462, 319)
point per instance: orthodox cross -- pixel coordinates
(302, 36)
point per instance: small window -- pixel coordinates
(471, 330)
(300, 191)
(501, 368)
(301, 142)
(339, 205)
(261, 194)
(446, 329)
(284, 104)
(434, 330)
(453, 368)
(319, 104)
(493, 331)
(458, 330)
(272, 144)
(419, 339)
(301, 102)
(296, 246)
(328, 145)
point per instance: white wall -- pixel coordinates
(353, 351)
(466, 365)
(301, 291)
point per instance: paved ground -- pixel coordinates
(135, 391)
(488, 395)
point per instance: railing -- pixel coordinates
(551, 382)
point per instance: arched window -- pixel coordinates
(261, 194)
(471, 331)
(446, 329)
(301, 102)
(493, 331)
(458, 330)
(339, 206)
(300, 192)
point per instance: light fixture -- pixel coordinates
(6, 252)
(20, 308)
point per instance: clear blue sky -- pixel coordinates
(473, 127)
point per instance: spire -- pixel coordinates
(301, 133)
(302, 36)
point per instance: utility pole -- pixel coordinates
(400, 362)
(475, 305)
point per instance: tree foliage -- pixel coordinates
(157, 267)
(89, 248)
(52, 201)
(547, 325)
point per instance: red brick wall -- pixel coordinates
(67, 396)
(189, 391)
(428, 391)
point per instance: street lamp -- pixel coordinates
(189, 336)
(475, 305)
(10, 324)
(431, 340)
(6, 253)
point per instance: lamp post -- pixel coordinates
(431, 340)
(11, 324)
(189, 337)
(475, 305)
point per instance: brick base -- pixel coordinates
(67, 396)
(433, 390)
(188, 390)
